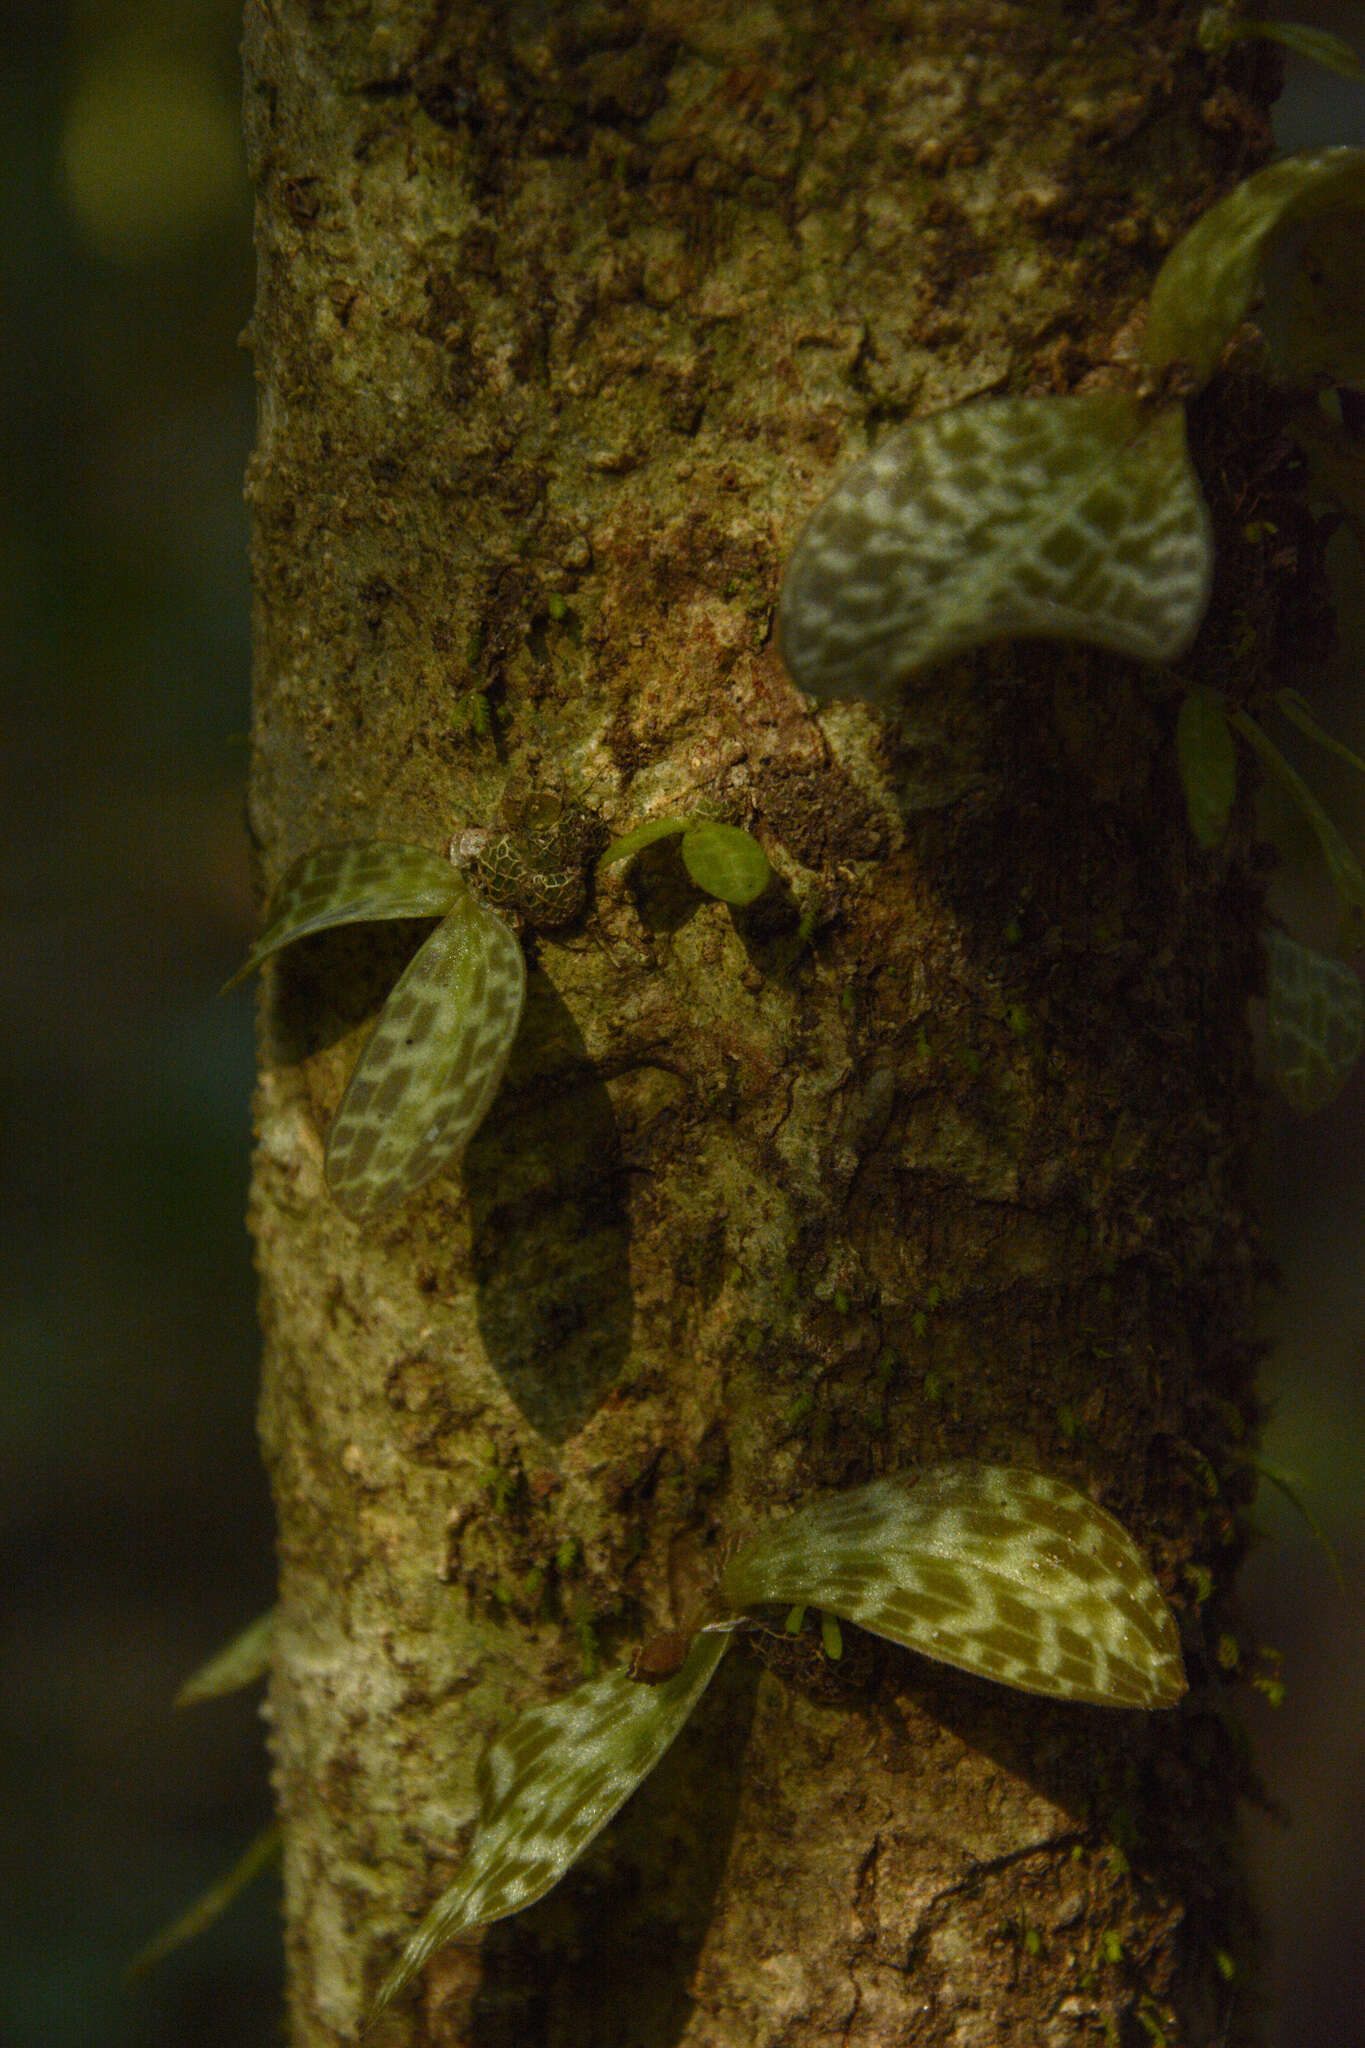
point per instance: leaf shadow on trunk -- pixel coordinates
(550, 1224)
(610, 1953)
(331, 981)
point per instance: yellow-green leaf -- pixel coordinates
(1207, 757)
(725, 861)
(1297, 710)
(1206, 287)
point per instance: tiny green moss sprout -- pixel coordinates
(1007, 1574)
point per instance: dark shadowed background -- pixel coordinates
(134, 1523)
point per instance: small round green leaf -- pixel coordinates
(725, 861)
(1207, 756)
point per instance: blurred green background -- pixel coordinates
(133, 1514)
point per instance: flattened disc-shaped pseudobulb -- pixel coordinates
(432, 1066)
(1005, 1573)
(1079, 518)
(547, 1785)
(360, 884)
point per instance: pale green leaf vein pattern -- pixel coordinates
(354, 884)
(433, 1063)
(1315, 1023)
(548, 1785)
(1002, 1572)
(1208, 284)
(1075, 518)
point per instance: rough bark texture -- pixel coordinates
(568, 314)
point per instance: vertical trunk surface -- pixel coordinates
(568, 314)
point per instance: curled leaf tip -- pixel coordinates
(1075, 518)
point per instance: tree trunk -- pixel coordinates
(568, 314)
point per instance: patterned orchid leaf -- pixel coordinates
(240, 1662)
(1342, 865)
(547, 1786)
(1005, 1573)
(1207, 285)
(725, 861)
(1315, 1023)
(1077, 518)
(432, 1066)
(360, 884)
(1207, 756)
(630, 843)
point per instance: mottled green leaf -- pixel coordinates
(361, 884)
(240, 1662)
(209, 1906)
(1207, 756)
(725, 861)
(433, 1064)
(1076, 518)
(1315, 1023)
(547, 1785)
(1207, 285)
(1342, 864)
(631, 843)
(1005, 1573)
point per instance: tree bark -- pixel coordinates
(568, 314)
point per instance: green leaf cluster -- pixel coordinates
(1002, 1572)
